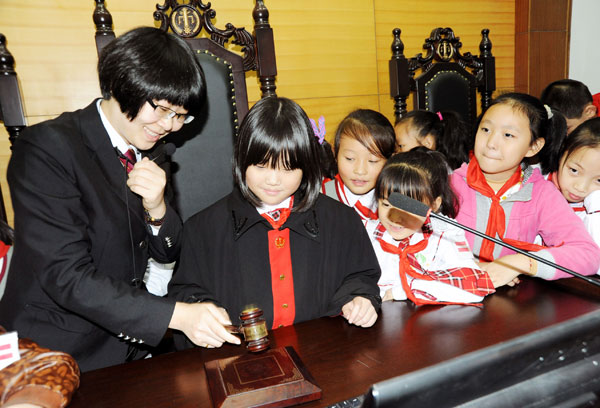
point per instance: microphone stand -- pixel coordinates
(396, 198)
(520, 251)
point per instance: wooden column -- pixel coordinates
(542, 31)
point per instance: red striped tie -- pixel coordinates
(129, 160)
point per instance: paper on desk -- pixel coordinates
(9, 349)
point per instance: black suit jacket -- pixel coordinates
(70, 284)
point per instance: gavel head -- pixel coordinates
(254, 329)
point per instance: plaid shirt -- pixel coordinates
(445, 259)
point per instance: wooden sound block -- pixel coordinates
(274, 378)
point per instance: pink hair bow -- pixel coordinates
(320, 131)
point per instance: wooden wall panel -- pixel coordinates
(548, 59)
(332, 56)
(542, 34)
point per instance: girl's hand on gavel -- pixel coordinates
(203, 323)
(360, 311)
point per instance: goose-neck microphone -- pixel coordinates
(161, 153)
(416, 207)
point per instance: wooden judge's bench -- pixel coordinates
(537, 344)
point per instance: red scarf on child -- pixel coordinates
(3, 251)
(366, 212)
(496, 220)
(473, 281)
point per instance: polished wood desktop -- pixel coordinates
(345, 360)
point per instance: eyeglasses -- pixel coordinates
(167, 113)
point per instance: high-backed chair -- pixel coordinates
(447, 79)
(11, 103)
(202, 161)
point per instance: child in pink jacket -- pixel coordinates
(507, 199)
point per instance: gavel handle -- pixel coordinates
(233, 329)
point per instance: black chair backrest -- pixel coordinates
(448, 79)
(202, 162)
(11, 103)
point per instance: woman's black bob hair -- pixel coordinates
(277, 132)
(148, 63)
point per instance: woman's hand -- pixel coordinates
(203, 323)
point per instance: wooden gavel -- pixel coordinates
(253, 328)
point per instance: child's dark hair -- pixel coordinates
(373, 130)
(276, 131)
(328, 163)
(6, 233)
(148, 63)
(568, 96)
(586, 135)
(544, 122)
(449, 131)
(420, 174)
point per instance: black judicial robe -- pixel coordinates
(225, 259)
(69, 286)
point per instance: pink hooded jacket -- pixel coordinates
(537, 208)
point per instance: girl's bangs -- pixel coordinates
(275, 150)
(408, 181)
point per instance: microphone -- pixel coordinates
(416, 207)
(167, 150)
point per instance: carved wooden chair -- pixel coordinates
(11, 103)
(447, 80)
(202, 162)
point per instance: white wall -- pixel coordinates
(584, 54)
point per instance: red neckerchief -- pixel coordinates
(596, 103)
(366, 212)
(478, 284)
(409, 264)
(407, 260)
(3, 251)
(496, 219)
(282, 278)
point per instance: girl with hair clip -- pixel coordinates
(327, 159)
(424, 260)
(364, 140)
(442, 131)
(275, 241)
(578, 174)
(503, 196)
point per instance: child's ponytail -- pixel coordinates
(448, 130)
(556, 132)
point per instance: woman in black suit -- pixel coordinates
(88, 213)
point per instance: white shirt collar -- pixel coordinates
(368, 199)
(265, 208)
(115, 138)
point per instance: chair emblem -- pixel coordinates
(185, 21)
(445, 50)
